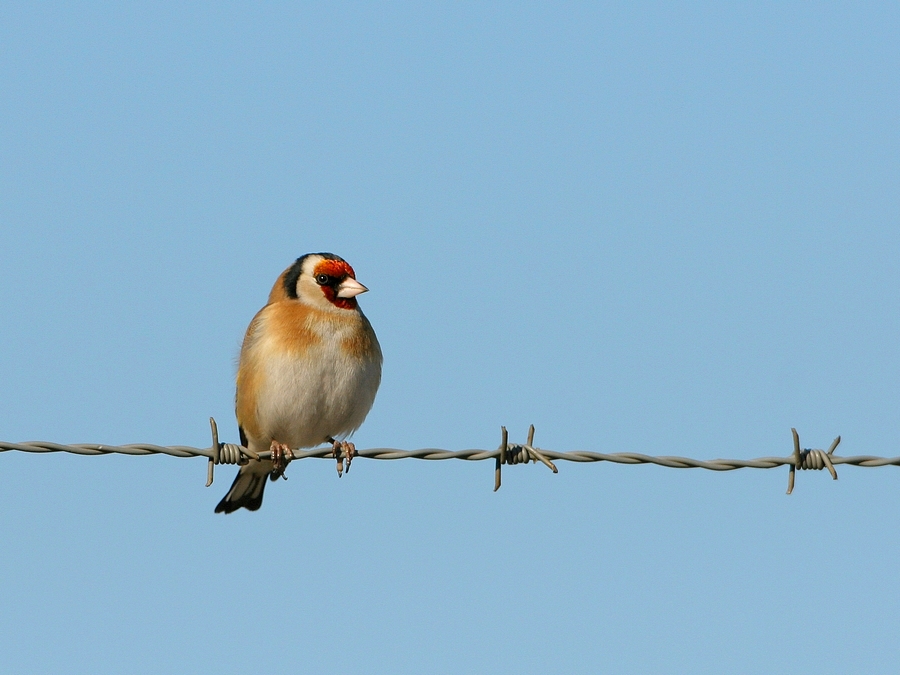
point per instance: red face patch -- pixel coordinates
(335, 268)
(335, 272)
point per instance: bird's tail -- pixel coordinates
(247, 489)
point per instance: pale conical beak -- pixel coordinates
(349, 288)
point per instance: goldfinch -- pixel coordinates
(309, 368)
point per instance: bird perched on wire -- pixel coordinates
(309, 368)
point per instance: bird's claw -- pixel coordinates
(281, 456)
(350, 451)
(341, 450)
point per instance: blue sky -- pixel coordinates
(641, 227)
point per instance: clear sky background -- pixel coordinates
(669, 230)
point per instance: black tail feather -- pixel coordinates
(246, 491)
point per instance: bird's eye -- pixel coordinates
(322, 279)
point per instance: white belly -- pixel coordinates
(327, 393)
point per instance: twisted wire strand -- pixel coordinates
(580, 456)
(94, 449)
(507, 453)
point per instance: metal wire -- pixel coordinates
(507, 453)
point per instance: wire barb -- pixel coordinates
(810, 459)
(501, 457)
(224, 453)
(518, 454)
(214, 456)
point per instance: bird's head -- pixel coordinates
(323, 280)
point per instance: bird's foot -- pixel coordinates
(341, 450)
(281, 456)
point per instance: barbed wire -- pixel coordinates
(508, 453)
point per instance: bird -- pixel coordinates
(308, 372)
